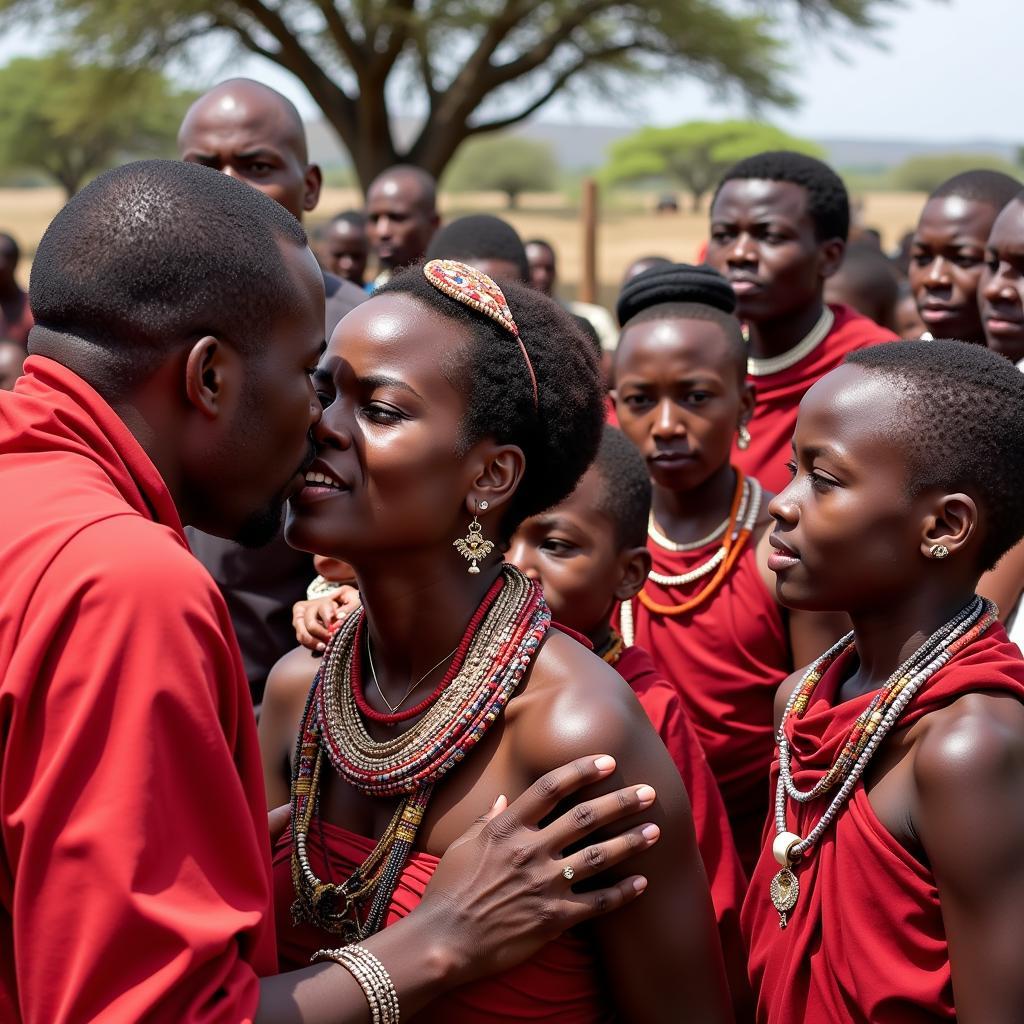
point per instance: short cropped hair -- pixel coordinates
(625, 488)
(961, 423)
(154, 254)
(480, 236)
(559, 437)
(828, 202)
(981, 186)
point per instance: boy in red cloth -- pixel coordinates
(779, 223)
(890, 889)
(588, 553)
(707, 613)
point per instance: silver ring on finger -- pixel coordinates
(568, 873)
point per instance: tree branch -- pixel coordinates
(557, 83)
(340, 34)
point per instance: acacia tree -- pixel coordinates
(73, 120)
(695, 155)
(502, 163)
(476, 65)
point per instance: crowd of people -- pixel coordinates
(383, 635)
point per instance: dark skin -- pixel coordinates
(950, 788)
(573, 551)
(681, 396)
(1001, 290)
(947, 256)
(401, 217)
(764, 241)
(543, 269)
(909, 324)
(252, 133)
(344, 249)
(12, 358)
(229, 434)
(388, 435)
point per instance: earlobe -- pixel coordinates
(950, 527)
(635, 564)
(498, 478)
(204, 376)
(314, 183)
(832, 252)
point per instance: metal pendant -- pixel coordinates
(785, 891)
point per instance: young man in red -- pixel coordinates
(890, 889)
(779, 223)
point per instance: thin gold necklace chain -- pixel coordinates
(408, 693)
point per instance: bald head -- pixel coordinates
(252, 132)
(401, 209)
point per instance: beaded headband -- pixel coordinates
(479, 292)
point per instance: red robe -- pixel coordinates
(865, 943)
(560, 984)
(726, 660)
(779, 394)
(714, 838)
(135, 865)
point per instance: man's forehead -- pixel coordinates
(761, 197)
(1008, 228)
(240, 121)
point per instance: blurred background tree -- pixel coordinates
(477, 65)
(71, 120)
(503, 163)
(926, 173)
(695, 155)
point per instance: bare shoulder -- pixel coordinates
(975, 742)
(782, 694)
(287, 689)
(574, 704)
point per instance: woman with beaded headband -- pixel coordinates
(708, 613)
(890, 888)
(452, 410)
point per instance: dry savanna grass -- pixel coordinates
(628, 226)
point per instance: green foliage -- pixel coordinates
(926, 173)
(479, 65)
(503, 163)
(694, 155)
(73, 120)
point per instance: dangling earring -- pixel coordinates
(938, 551)
(743, 442)
(474, 547)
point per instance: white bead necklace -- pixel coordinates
(776, 364)
(931, 656)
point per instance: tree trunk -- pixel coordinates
(696, 200)
(513, 199)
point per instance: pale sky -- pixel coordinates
(946, 73)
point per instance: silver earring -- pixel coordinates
(483, 506)
(743, 442)
(938, 551)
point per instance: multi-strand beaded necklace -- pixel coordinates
(496, 650)
(866, 733)
(735, 531)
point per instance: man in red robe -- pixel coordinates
(903, 902)
(179, 315)
(779, 223)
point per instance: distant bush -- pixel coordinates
(926, 173)
(503, 163)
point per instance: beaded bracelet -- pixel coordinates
(372, 977)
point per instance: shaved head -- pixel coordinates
(252, 132)
(401, 210)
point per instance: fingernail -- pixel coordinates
(604, 763)
(321, 647)
(650, 832)
(499, 799)
(645, 794)
(639, 884)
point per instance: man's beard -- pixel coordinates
(263, 525)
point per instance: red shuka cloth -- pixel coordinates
(561, 984)
(779, 394)
(135, 864)
(714, 838)
(726, 660)
(865, 943)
